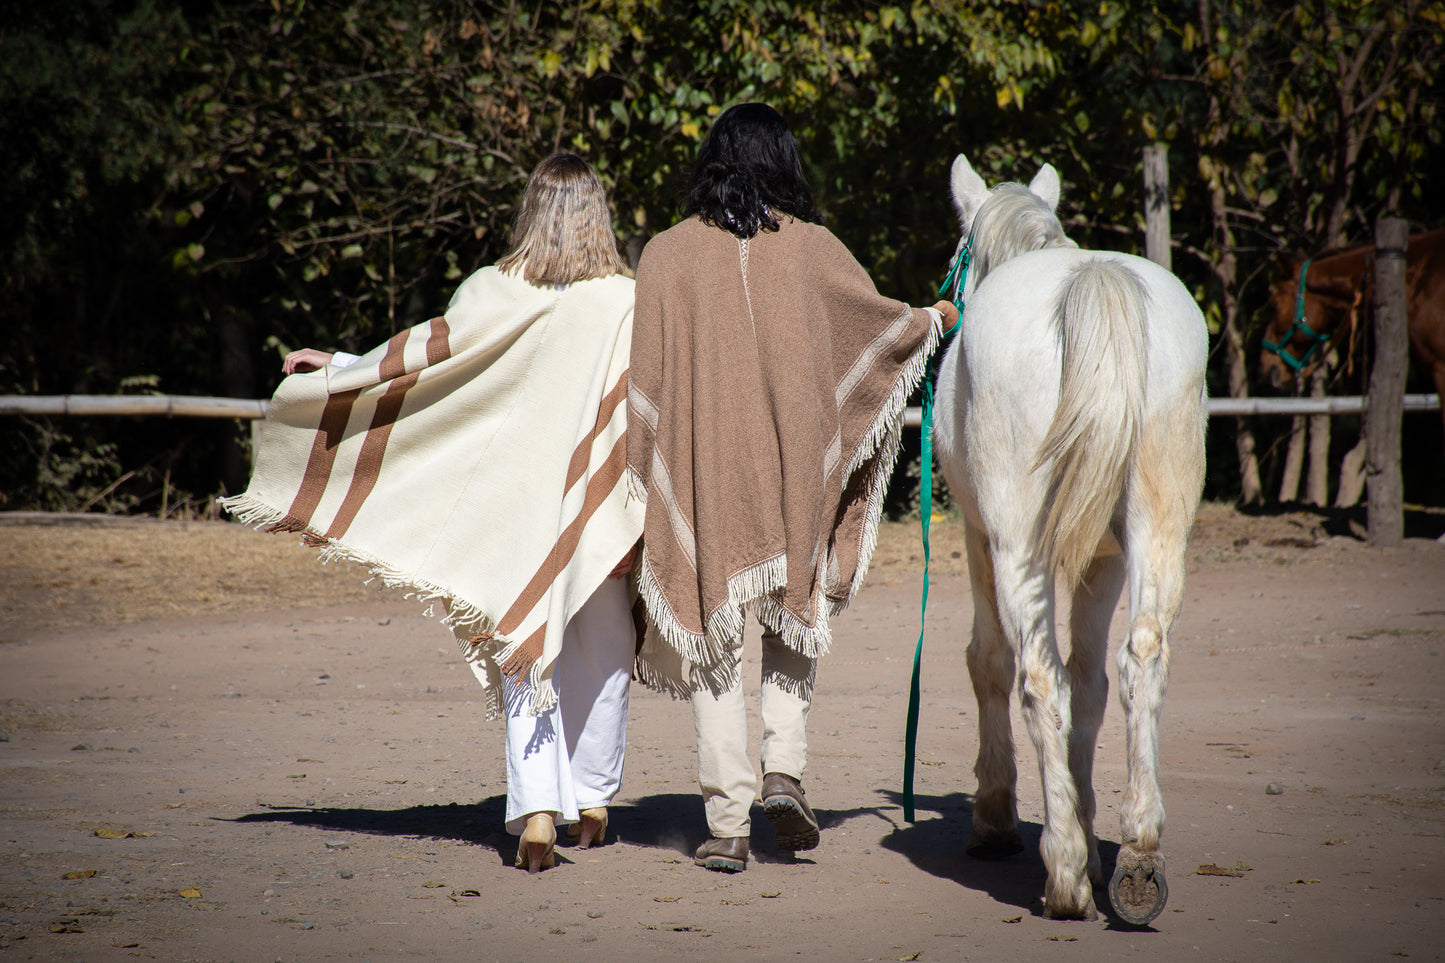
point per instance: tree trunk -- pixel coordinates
(1156, 205)
(1294, 457)
(1225, 269)
(1387, 386)
(1352, 476)
(1251, 489)
(237, 377)
(1317, 482)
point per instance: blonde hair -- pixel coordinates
(563, 229)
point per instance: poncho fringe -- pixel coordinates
(878, 353)
(476, 460)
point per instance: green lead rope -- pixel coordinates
(953, 286)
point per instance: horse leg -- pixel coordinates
(1157, 534)
(1026, 610)
(1092, 609)
(995, 831)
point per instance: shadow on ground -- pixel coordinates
(935, 844)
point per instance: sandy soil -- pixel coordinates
(215, 749)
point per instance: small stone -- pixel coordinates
(1274, 789)
(594, 914)
(4, 736)
(337, 845)
(346, 874)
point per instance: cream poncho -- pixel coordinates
(477, 459)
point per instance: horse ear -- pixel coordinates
(969, 190)
(1046, 185)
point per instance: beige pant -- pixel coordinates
(724, 767)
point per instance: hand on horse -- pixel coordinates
(949, 312)
(305, 359)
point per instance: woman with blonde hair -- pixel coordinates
(478, 460)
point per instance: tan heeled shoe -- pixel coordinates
(593, 827)
(535, 850)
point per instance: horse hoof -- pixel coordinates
(1085, 912)
(994, 845)
(1138, 891)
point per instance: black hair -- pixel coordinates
(748, 172)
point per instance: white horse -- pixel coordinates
(1071, 415)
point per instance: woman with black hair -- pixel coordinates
(765, 403)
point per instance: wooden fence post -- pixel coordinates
(1156, 205)
(1387, 387)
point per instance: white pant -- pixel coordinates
(570, 758)
(725, 771)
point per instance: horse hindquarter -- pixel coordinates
(1050, 405)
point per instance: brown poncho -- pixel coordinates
(765, 402)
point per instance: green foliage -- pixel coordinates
(189, 190)
(68, 475)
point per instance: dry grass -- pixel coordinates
(68, 571)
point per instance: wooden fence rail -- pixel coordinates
(190, 406)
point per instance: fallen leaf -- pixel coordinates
(299, 775)
(433, 885)
(458, 896)
(666, 899)
(1209, 869)
(736, 902)
(929, 762)
(106, 832)
(910, 956)
(65, 926)
(190, 892)
(770, 895)
(127, 946)
(1063, 939)
(80, 874)
(1337, 842)
(1306, 881)
(1013, 919)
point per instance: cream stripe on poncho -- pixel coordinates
(768, 383)
(477, 459)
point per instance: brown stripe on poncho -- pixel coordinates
(478, 459)
(765, 403)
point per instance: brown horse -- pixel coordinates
(1319, 305)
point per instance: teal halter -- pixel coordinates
(952, 286)
(957, 276)
(1317, 338)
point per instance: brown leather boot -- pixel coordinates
(728, 854)
(793, 820)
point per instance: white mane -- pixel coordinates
(1012, 221)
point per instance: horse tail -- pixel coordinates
(1090, 446)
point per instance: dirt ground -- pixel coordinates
(214, 748)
